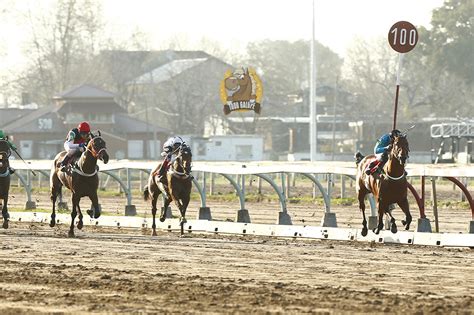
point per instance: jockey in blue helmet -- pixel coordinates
(381, 150)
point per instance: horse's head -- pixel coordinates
(184, 158)
(98, 149)
(4, 153)
(400, 147)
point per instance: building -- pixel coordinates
(41, 133)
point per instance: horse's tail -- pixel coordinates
(146, 193)
(358, 157)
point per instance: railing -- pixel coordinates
(264, 170)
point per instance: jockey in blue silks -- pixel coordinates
(381, 150)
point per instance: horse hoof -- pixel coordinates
(154, 233)
(376, 231)
(5, 224)
(97, 214)
(80, 224)
(393, 228)
(162, 219)
(364, 231)
(71, 234)
(52, 223)
(90, 213)
(404, 222)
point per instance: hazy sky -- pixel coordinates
(234, 23)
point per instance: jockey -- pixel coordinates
(170, 147)
(10, 144)
(76, 143)
(381, 150)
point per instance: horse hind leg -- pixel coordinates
(5, 214)
(362, 209)
(393, 225)
(164, 209)
(55, 191)
(153, 212)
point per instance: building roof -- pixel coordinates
(9, 115)
(168, 71)
(124, 66)
(85, 91)
(126, 124)
(29, 121)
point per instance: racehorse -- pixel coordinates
(177, 187)
(4, 179)
(82, 181)
(389, 187)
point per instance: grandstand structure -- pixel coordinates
(452, 142)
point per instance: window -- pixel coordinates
(218, 143)
(243, 152)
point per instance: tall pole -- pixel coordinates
(334, 121)
(312, 96)
(400, 58)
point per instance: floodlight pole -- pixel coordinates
(312, 96)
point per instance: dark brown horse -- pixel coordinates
(82, 182)
(177, 187)
(4, 180)
(389, 187)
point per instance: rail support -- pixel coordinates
(130, 210)
(424, 225)
(168, 213)
(471, 227)
(284, 218)
(204, 213)
(329, 220)
(242, 216)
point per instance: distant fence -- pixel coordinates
(263, 170)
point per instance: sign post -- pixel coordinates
(402, 37)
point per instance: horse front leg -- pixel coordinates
(393, 226)
(381, 210)
(182, 205)
(96, 212)
(5, 214)
(164, 209)
(406, 209)
(80, 224)
(73, 217)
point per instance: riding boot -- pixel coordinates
(64, 163)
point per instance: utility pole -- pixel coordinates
(312, 96)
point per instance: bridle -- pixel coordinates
(93, 151)
(179, 160)
(394, 153)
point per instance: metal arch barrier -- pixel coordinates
(281, 196)
(327, 201)
(465, 191)
(122, 184)
(30, 204)
(237, 189)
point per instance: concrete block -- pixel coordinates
(329, 220)
(284, 218)
(242, 216)
(204, 213)
(130, 210)
(424, 225)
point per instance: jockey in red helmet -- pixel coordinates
(76, 142)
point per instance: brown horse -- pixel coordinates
(389, 187)
(177, 187)
(4, 179)
(83, 181)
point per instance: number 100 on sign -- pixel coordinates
(403, 36)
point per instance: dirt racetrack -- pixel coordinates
(111, 271)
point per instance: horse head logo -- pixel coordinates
(241, 90)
